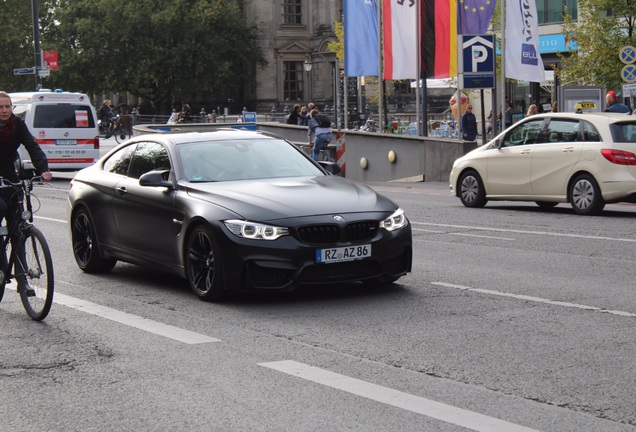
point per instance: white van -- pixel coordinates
(64, 125)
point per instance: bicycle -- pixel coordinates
(114, 127)
(31, 260)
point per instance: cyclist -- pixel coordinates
(13, 132)
(106, 115)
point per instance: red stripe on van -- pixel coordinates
(71, 160)
(79, 141)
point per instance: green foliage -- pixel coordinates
(603, 27)
(162, 50)
(16, 41)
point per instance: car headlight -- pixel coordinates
(396, 221)
(255, 231)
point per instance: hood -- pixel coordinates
(271, 199)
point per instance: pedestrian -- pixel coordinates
(508, 112)
(293, 117)
(489, 124)
(184, 114)
(555, 106)
(303, 118)
(532, 110)
(469, 124)
(319, 133)
(613, 105)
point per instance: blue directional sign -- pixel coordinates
(24, 71)
(249, 117)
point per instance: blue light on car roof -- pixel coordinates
(58, 90)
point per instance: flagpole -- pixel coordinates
(418, 73)
(380, 69)
(503, 66)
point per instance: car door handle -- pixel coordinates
(121, 190)
(568, 150)
(525, 152)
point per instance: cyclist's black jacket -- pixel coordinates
(12, 134)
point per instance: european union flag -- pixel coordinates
(474, 16)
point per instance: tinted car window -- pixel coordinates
(119, 162)
(525, 133)
(590, 133)
(623, 132)
(563, 130)
(61, 116)
(148, 157)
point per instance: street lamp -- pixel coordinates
(308, 65)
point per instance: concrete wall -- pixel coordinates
(416, 158)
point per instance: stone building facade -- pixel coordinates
(294, 34)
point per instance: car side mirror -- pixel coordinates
(497, 143)
(331, 167)
(157, 178)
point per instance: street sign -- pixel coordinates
(477, 62)
(478, 54)
(629, 90)
(24, 71)
(44, 72)
(628, 73)
(249, 117)
(627, 54)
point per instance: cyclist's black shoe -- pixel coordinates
(24, 285)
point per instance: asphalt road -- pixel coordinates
(514, 319)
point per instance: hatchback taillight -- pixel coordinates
(96, 143)
(619, 157)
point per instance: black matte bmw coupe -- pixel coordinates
(234, 211)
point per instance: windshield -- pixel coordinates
(243, 160)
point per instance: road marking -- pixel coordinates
(536, 299)
(135, 321)
(545, 233)
(50, 219)
(482, 236)
(430, 408)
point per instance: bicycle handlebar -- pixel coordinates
(5, 183)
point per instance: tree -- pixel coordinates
(16, 41)
(162, 50)
(603, 27)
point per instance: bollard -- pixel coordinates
(203, 116)
(213, 116)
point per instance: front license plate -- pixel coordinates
(66, 142)
(342, 254)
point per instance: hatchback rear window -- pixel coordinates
(63, 117)
(623, 132)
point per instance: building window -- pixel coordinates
(552, 11)
(292, 12)
(293, 85)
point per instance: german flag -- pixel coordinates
(438, 45)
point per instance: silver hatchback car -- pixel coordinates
(586, 160)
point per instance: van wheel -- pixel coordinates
(22, 173)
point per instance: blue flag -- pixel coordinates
(474, 16)
(361, 38)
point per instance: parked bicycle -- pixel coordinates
(29, 258)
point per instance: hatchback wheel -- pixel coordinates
(585, 195)
(471, 190)
(202, 265)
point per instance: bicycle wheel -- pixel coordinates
(38, 268)
(121, 135)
